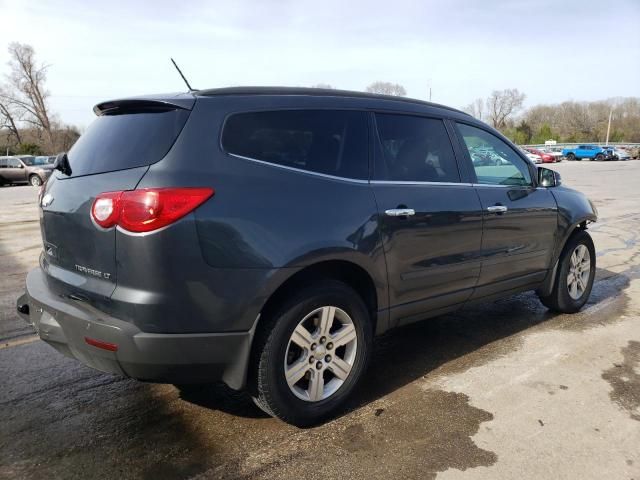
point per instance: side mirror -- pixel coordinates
(62, 163)
(548, 177)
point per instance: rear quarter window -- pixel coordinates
(126, 139)
(323, 141)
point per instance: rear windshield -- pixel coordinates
(331, 142)
(126, 140)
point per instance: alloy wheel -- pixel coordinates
(579, 271)
(320, 353)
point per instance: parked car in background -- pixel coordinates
(46, 159)
(592, 152)
(534, 157)
(620, 154)
(24, 169)
(484, 156)
(546, 157)
(556, 152)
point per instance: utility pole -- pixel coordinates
(429, 89)
(609, 127)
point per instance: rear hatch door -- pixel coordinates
(112, 155)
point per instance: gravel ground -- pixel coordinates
(500, 390)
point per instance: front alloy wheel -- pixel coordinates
(575, 275)
(579, 272)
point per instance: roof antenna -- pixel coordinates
(183, 78)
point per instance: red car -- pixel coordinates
(546, 157)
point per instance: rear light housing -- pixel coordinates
(147, 209)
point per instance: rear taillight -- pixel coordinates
(147, 209)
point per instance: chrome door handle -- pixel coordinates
(497, 209)
(400, 212)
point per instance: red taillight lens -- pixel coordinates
(147, 209)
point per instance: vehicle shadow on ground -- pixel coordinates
(450, 343)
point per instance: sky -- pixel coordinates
(552, 50)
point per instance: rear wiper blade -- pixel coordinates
(62, 163)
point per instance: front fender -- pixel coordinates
(575, 211)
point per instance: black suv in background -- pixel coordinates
(263, 236)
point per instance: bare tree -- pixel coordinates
(26, 90)
(326, 86)
(475, 108)
(9, 118)
(502, 104)
(387, 88)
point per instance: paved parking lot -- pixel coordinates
(502, 390)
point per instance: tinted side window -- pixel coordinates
(415, 149)
(494, 162)
(324, 141)
(13, 163)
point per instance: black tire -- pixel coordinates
(571, 157)
(35, 180)
(600, 157)
(271, 390)
(559, 299)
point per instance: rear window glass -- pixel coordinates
(324, 141)
(126, 140)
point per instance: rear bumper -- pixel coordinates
(66, 325)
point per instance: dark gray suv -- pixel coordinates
(262, 237)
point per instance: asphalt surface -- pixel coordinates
(500, 390)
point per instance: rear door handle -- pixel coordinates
(400, 212)
(497, 209)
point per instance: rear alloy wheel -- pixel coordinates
(600, 157)
(317, 361)
(312, 352)
(571, 157)
(35, 180)
(575, 275)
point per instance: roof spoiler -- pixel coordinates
(146, 103)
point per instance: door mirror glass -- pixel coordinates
(548, 177)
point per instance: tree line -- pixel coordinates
(569, 121)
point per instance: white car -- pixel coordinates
(532, 156)
(620, 154)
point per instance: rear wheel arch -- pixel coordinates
(350, 273)
(347, 272)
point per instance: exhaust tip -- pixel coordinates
(23, 309)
